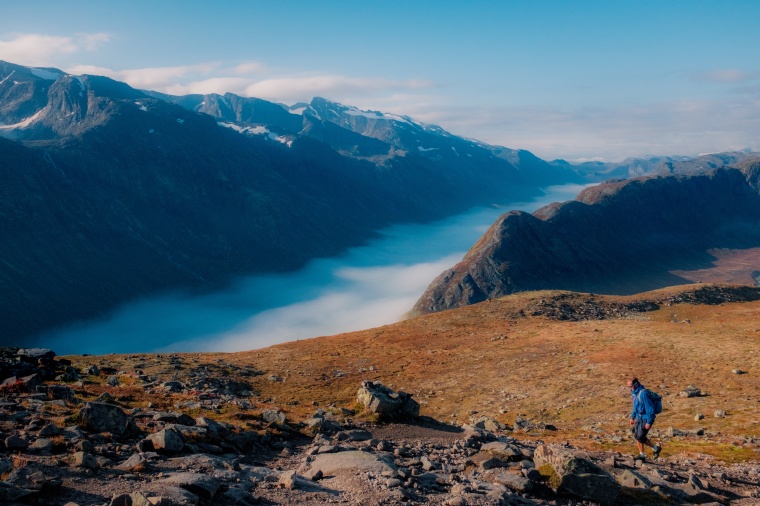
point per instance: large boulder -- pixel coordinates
(353, 461)
(166, 440)
(379, 399)
(570, 474)
(101, 417)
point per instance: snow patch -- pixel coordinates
(427, 149)
(48, 75)
(252, 130)
(281, 138)
(8, 77)
(180, 121)
(299, 110)
(141, 106)
(23, 123)
(353, 111)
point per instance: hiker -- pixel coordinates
(642, 418)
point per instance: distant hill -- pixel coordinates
(110, 193)
(615, 238)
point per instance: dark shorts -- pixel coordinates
(639, 432)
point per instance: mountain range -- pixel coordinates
(620, 237)
(109, 193)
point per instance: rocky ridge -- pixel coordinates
(615, 238)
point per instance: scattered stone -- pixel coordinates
(738, 371)
(200, 484)
(273, 416)
(137, 463)
(100, 417)
(133, 499)
(15, 443)
(41, 445)
(85, 460)
(632, 479)
(166, 440)
(698, 417)
(719, 413)
(691, 391)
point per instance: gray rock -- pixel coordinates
(60, 392)
(50, 430)
(188, 432)
(34, 355)
(514, 482)
(72, 433)
(273, 416)
(41, 445)
(690, 391)
(173, 386)
(133, 499)
(166, 440)
(354, 461)
(84, 460)
(101, 417)
(200, 484)
(15, 443)
(503, 450)
(572, 475)
(386, 403)
(354, 435)
(632, 479)
(489, 424)
(214, 429)
(135, 463)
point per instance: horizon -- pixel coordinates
(582, 81)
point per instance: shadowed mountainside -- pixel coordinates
(618, 238)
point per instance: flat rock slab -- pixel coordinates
(330, 463)
(200, 484)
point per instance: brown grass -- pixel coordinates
(569, 374)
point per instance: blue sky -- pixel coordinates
(577, 80)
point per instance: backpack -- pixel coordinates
(656, 400)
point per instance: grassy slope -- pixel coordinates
(568, 373)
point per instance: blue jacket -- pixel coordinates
(642, 406)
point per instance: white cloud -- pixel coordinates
(295, 88)
(41, 50)
(220, 85)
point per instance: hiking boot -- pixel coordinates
(656, 449)
(640, 457)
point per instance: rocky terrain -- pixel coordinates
(378, 417)
(621, 237)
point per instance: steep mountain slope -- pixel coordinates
(621, 238)
(109, 194)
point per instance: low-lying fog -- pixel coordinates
(366, 287)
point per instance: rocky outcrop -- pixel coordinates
(622, 238)
(570, 474)
(384, 402)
